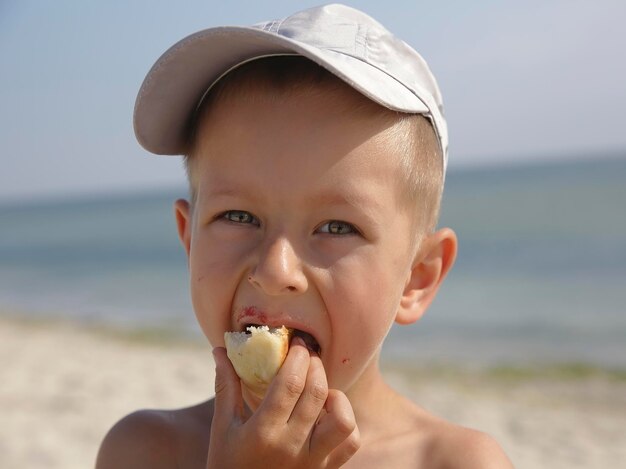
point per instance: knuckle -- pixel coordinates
(290, 450)
(294, 385)
(220, 386)
(267, 439)
(345, 425)
(266, 436)
(319, 392)
(353, 443)
(278, 444)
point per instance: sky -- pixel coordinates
(521, 81)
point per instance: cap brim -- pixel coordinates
(178, 80)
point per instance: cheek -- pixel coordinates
(365, 297)
(215, 274)
(368, 281)
(362, 297)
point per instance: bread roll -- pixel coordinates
(258, 355)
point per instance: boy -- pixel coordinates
(316, 151)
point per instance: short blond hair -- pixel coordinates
(282, 77)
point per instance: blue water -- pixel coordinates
(540, 277)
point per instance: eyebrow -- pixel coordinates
(229, 191)
(337, 198)
(366, 204)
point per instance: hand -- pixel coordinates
(299, 424)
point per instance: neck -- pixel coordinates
(375, 402)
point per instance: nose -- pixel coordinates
(278, 270)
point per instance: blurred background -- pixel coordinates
(535, 97)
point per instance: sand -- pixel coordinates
(63, 386)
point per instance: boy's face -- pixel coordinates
(299, 221)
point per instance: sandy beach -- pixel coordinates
(63, 386)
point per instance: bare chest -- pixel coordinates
(408, 451)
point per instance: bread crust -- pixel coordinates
(258, 354)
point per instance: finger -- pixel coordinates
(287, 386)
(228, 400)
(335, 426)
(342, 453)
(313, 397)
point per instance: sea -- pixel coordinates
(540, 276)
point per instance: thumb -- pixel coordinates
(228, 400)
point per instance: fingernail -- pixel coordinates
(299, 341)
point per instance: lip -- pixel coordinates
(253, 315)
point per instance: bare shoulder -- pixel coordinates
(142, 439)
(460, 447)
(158, 439)
(409, 436)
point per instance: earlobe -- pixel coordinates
(182, 212)
(432, 263)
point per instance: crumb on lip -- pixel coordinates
(251, 324)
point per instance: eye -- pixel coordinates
(336, 227)
(240, 216)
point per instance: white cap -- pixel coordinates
(343, 40)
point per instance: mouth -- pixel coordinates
(310, 341)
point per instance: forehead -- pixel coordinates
(325, 141)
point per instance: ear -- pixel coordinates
(182, 212)
(431, 265)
